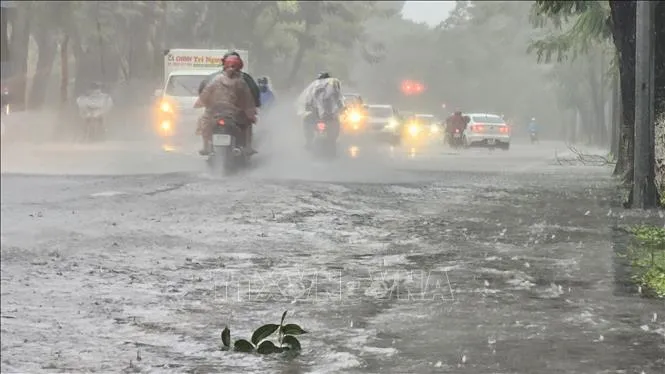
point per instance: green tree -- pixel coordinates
(620, 24)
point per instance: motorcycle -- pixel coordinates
(324, 143)
(93, 117)
(455, 139)
(228, 150)
(92, 110)
(533, 136)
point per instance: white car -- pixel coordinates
(486, 130)
(383, 122)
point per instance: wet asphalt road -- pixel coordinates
(434, 262)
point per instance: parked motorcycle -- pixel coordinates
(228, 144)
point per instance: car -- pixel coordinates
(486, 130)
(353, 119)
(384, 122)
(352, 99)
(420, 128)
(431, 122)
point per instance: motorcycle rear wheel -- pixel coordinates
(221, 161)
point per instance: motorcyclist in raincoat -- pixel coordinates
(321, 100)
(253, 87)
(267, 97)
(95, 97)
(227, 93)
(93, 106)
(456, 122)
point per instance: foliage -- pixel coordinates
(584, 24)
(259, 342)
(121, 43)
(575, 30)
(648, 259)
(475, 60)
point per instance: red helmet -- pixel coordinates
(233, 61)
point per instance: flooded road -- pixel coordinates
(395, 261)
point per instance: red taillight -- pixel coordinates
(504, 129)
(456, 130)
(321, 126)
(477, 128)
(220, 122)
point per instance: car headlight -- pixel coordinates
(393, 123)
(434, 129)
(166, 125)
(355, 117)
(166, 107)
(414, 130)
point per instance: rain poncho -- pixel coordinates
(323, 98)
(253, 87)
(226, 95)
(94, 104)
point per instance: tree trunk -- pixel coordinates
(659, 97)
(601, 102)
(64, 70)
(304, 44)
(644, 189)
(623, 33)
(18, 44)
(47, 51)
(85, 65)
(616, 115)
(100, 41)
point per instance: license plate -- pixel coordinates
(221, 139)
(491, 141)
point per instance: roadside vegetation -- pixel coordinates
(647, 258)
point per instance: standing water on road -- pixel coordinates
(419, 267)
(453, 232)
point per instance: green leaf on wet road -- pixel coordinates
(226, 336)
(292, 329)
(268, 347)
(243, 345)
(263, 332)
(292, 342)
